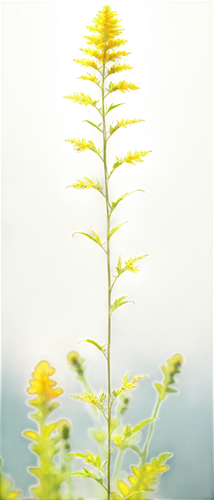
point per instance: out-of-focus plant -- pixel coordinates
(7, 491)
(50, 439)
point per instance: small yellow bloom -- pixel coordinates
(125, 86)
(41, 384)
(80, 184)
(135, 157)
(80, 97)
(81, 144)
(126, 122)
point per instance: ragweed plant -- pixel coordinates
(51, 438)
(102, 55)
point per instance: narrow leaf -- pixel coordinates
(140, 426)
(119, 302)
(158, 386)
(90, 237)
(112, 106)
(115, 203)
(115, 228)
(98, 346)
(91, 123)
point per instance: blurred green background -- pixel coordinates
(53, 287)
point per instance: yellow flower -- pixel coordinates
(80, 97)
(135, 157)
(125, 86)
(87, 78)
(126, 122)
(130, 266)
(124, 67)
(41, 384)
(80, 185)
(82, 145)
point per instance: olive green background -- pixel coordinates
(53, 287)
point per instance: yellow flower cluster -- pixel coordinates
(81, 144)
(105, 31)
(129, 266)
(135, 157)
(87, 78)
(125, 86)
(80, 97)
(80, 184)
(104, 41)
(116, 68)
(42, 385)
(126, 122)
(130, 263)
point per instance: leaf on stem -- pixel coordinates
(128, 386)
(87, 185)
(87, 473)
(81, 98)
(91, 398)
(112, 106)
(122, 123)
(114, 204)
(94, 238)
(114, 229)
(98, 346)
(129, 432)
(119, 302)
(94, 125)
(90, 459)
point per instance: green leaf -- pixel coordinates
(97, 238)
(171, 390)
(119, 265)
(125, 379)
(158, 386)
(94, 238)
(90, 341)
(117, 439)
(129, 434)
(142, 424)
(119, 302)
(112, 106)
(91, 123)
(89, 458)
(163, 457)
(115, 203)
(114, 229)
(99, 436)
(79, 455)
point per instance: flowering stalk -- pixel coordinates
(102, 58)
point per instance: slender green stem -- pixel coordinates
(64, 463)
(96, 416)
(115, 279)
(109, 282)
(151, 429)
(118, 464)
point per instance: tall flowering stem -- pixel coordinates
(102, 56)
(108, 270)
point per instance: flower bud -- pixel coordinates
(75, 362)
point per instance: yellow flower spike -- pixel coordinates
(42, 385)
(135, 157)
(126, 122)
(80, 97)
(80, 185)
(82, 145)
(124, 86)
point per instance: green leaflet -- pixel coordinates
(115, 228)
(125, 195)
(128, 432)
(119, 302)
(90, 459)
(99, 435)
(94, 238)
(94, 125)
(88, 473)
(112, 106)
(98, 346)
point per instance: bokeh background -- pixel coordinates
(53, 285)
